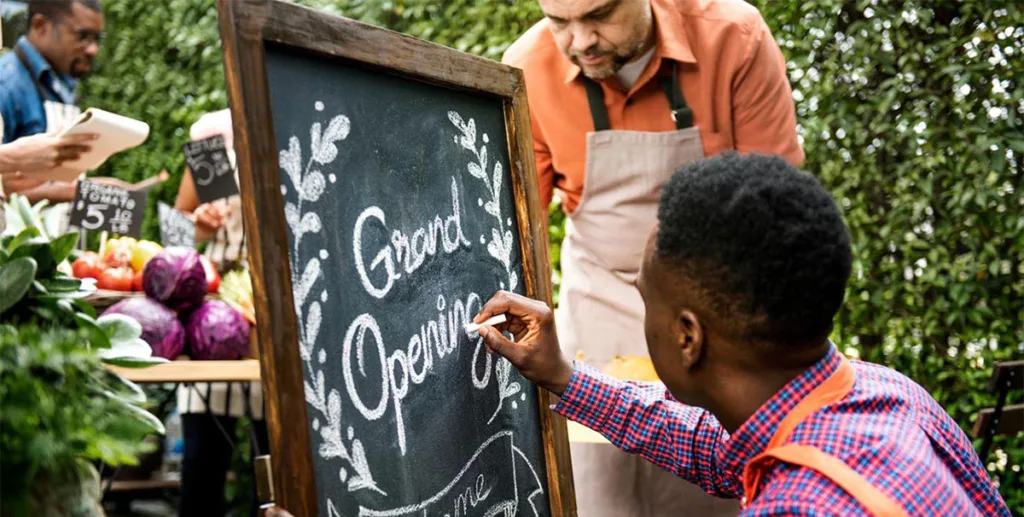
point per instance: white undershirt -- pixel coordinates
(631, 71)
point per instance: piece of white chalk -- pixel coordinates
(475, 327)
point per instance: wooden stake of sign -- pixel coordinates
(252, 31)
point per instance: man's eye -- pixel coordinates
(558, 22)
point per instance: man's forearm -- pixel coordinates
(643, 419)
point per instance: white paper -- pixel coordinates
(116, 133)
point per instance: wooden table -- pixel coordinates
(184, 370)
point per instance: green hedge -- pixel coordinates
(910, 112)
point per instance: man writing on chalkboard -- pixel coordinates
(741, 280)
(621, 93)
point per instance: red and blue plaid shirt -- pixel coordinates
(888, 429)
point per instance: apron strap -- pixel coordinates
(681, 113)
(35, 80)
(878, 503)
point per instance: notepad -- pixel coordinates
(116, 133)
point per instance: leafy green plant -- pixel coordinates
(61, 407)
(61, 410)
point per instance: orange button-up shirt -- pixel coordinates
(731, 71)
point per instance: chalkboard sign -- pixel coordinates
(393, 190)
(108, 208)
(212, 173)
(176, 228)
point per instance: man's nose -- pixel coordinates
(584, 36)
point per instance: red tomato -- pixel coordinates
(116, 279)
(88, 265)
(120, 256)
(212, 276)
(137, 281)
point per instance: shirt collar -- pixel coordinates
(40, 69)
(753, 436)
(670, 39)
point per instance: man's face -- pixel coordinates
(71, 42)
(664, 328)
(600, 36)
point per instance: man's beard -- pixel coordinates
(77, 72)
(608, 69)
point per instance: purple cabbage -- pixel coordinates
(216, 331)
(176, 278)
(160, 325)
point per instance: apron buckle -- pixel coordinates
(685, 114)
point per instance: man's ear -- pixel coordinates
(39, 23)
(691, 339)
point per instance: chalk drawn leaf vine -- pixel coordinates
(309, 185)
(500, 244)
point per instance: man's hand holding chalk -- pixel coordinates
(535, 351)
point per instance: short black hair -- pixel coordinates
(55, 9)
(762, 243)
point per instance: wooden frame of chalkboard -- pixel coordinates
(247, 27)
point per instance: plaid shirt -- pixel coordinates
(888, 429)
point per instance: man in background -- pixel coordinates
(39, 80)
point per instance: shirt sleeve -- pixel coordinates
(642, 418)
(764, 112)
(7, 127)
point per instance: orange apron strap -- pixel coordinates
(837, 386)
(877, 502)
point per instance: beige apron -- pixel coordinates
(601, 314)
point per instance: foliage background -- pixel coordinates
(910, 112)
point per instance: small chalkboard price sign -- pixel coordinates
(176, 228)
(108, 208)
(211, 169)
(391, 190)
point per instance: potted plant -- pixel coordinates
(62, 411)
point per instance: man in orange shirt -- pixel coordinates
(622, 93)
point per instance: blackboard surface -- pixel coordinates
(108, 208)
(211, 169)
(401, 223)
(176, 229)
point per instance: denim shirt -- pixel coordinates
(20, 104)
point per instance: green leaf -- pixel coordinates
(134, 362)
(22, 237)
(39, 249)
(60, 248)
(85, 308)
(4, 256)
(119, 328)
(16, 278)
(144, 416)
(97, 337)
(61, 284)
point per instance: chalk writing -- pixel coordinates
(109, 208)
(410, 253)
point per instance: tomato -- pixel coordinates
(212, 276)
(120, 256)
(137, 281)
(142, 251)
(88, 265)
(116, 279)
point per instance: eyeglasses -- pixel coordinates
(84, 36)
